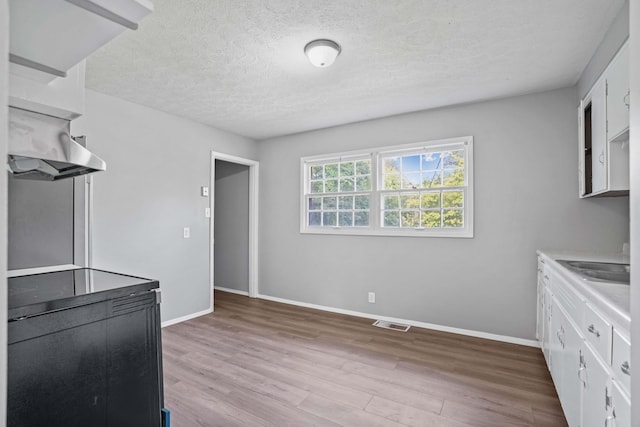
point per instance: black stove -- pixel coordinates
(36, 294)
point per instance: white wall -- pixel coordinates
(526, 197)
(4, 55)
(231, 229)
(634, 150)
(156, 164)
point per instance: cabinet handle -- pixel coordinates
(625, 368)
(601, 158)
(594, 331)
(626, 99)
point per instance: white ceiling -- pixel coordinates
(238, 65)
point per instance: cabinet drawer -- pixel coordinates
(621, 360)
(572, 303)
(598, 332)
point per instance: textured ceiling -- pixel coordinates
(238, 65)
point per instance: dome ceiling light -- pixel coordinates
(322, 53)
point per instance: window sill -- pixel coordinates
(449, 233)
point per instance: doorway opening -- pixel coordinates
(234, 225)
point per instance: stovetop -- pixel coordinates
(39, 293)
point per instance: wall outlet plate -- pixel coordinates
(372, 297)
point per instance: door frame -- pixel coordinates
(254, 177)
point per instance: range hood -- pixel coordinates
(41, 148)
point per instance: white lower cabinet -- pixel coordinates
(587, 355)
(567, 363)
(620, 407)
(596, 397)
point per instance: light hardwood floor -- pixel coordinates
(260, 363)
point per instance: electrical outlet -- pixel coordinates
(186, 232)
(372, 297)
(204, 191)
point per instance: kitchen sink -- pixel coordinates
(600, 271)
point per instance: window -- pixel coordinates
(423, 189)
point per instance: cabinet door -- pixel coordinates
(617, 76)
(556, 356)
(621, 407)
(546, 325)
(597, 390)
(571, 385)
(540, 308)
(598, 138)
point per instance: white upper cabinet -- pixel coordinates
(604, 132)
(595, 117)
(618, 96)
(48, 37)
(49, 41)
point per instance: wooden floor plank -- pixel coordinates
(261, 363)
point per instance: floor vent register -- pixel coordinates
(390, 325)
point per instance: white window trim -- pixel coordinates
(374, 228)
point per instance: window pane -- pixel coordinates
(361, 219)
(391, 201)
(392, 219)
(391, 165)
(331, 186)
(346, 219)
(431, 161)
(410, 218)
(411, 180)
(430, 219)
(346, 184)
(328, 203)
(346, 169)
(453, 218)
(315, 203)
(345, 203)
(453, 177)
(431, 179)
(452, 199)
(331, 171)
(363, 167)
(362, 202)
(453, 159)
(410, 201)
(430, 200)
(411, 163)
(315, 219)
(317, 187)
(329, 219)
(363, 183)
(316, 172)
(392, 182)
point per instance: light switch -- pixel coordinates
(207, 212)
(204, 191)
(187, 232)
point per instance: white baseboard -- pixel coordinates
(187, 317)
(231, 291)
(467, 332)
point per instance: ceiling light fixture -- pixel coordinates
(322, 53)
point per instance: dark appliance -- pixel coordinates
(84, 350)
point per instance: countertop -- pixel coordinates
(35, 294)
(611, 299)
